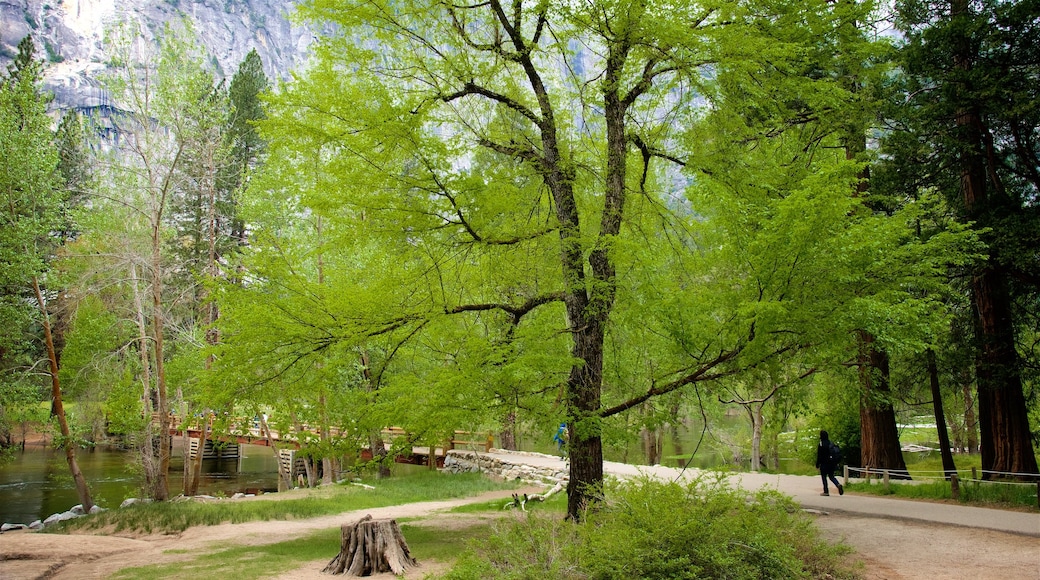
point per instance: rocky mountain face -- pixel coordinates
(69, 36)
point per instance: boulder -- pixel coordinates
(55, 518)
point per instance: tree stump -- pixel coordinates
(370, 547)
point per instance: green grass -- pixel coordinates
(244, 562)
(434, 543)
(173, 517)
(981, 493)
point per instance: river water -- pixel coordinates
(37, 483)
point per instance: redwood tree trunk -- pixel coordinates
(1006, 442)
(878, 431)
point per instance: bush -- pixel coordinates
(651, 529)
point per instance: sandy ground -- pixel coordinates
(889, 549)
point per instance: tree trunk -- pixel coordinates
(370, 547)
(149, 451)
(878, 431)
(162, 486)
(507, 436)
(284, 476)
(326, 438)
(774, 449)
(378, 447)
(375, 439)
(651, 445)
(677, 444)
(58, 409)
(588, 274)
(756, 436)
(971, 426)
(1006, 442)
(308, 462)
(940, 416)
(585, 445)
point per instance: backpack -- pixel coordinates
(835, 453)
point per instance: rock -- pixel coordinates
(77, 509)
(238, 495)
(37, 525)
(9, 527)
(97, 509)
(55, 518)
(132, 500)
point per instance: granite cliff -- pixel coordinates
(69, 36)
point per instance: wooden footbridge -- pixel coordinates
(395, 439)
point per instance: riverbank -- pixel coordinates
(36, 483)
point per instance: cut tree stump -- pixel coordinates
(370, 547)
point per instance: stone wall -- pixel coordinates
(461, 461)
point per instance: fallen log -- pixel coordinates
(370, 547)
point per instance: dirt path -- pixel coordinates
(890, 549)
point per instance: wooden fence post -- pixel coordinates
(845, 473)
(885, 476)
(974, 474)
(955, 487)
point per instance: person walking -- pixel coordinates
(828, 456)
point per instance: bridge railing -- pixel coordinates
(464, 439)
(485, 440)
(474, 440)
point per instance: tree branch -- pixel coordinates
(516, 311)
(471, 88)
(701, 374)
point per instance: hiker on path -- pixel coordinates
(561, 439)
(828, 456)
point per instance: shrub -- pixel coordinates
(651, 529)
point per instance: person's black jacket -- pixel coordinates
(823, 454)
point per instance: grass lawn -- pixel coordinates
(176, 516)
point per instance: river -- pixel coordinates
(37, 483)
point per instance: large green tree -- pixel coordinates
(972, 117)
(512, 175)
